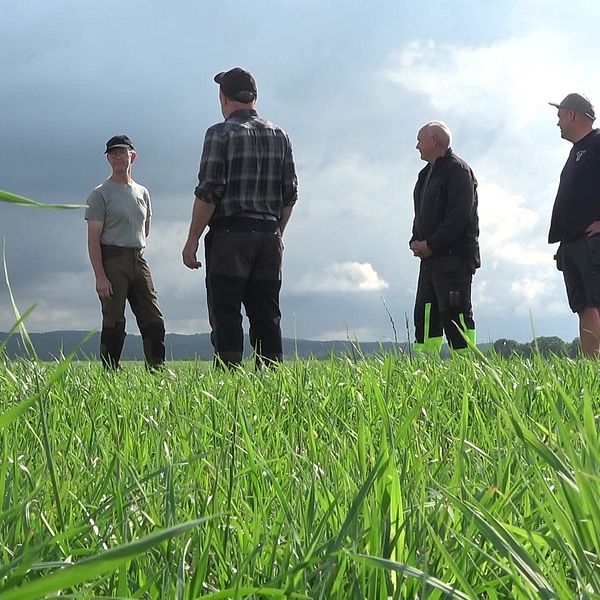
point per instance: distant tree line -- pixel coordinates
(546, 346)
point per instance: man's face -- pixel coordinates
(120, 159)
(565, 121)
(425, 144)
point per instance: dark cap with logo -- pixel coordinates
(577, 102)
(237, 84)
(119, 141)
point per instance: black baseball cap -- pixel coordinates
(237, 84)
(119, 141)
(577, 102)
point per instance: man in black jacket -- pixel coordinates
(445, 239)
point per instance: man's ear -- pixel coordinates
(133, 156)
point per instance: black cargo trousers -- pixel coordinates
(131, 281)
(443, 304)
(243, 266)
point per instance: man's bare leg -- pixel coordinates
(589, 331)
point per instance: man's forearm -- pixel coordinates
(201, 216)
(95, 254)
(286, 213)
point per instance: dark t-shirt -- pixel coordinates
(577, 203)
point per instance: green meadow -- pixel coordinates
(390, 477)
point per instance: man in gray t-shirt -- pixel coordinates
(118, 214)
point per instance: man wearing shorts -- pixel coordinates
(118, 216)
(576, 217)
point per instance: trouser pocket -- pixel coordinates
(558, 257)
(593, 245)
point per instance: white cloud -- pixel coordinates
(508, 228)
(481, 294)
(349, 277)
(359, 333)
(51, 305)
(351, 185)
(170, 275)
(188, 326)
(508, 82)
(539, 294)
(529, 289)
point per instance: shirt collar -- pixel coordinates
(586, 137)
(439, 159)
(243, 112)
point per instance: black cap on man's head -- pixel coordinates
(237, 84)
(577, 102)
(119, 141)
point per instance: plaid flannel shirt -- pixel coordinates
(247, 165)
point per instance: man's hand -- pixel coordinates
(593, 229)
(201, 215)
(189, 255)
(420, 248)
(104, 287)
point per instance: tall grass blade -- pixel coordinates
(89, 568)
(15, 327)
(408, 571)
(16, 199)
(502, 540)
(24, 335)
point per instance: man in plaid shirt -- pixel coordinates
(247, 187)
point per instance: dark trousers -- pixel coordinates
(243, 266)
(443, 303)
(131, 281)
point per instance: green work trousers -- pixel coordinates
(131, 281)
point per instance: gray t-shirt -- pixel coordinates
(124, 210)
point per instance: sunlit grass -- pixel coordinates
(377, 478)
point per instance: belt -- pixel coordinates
(245, 225)
(255, 215)
(109, 251)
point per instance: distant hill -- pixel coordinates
(53, 344)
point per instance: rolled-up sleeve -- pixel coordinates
(212, 173)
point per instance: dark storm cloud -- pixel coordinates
(77, 74)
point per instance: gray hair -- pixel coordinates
(442, 130)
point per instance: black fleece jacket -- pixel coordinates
(446, 209)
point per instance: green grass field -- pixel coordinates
(382, 478)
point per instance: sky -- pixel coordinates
(351, 82)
